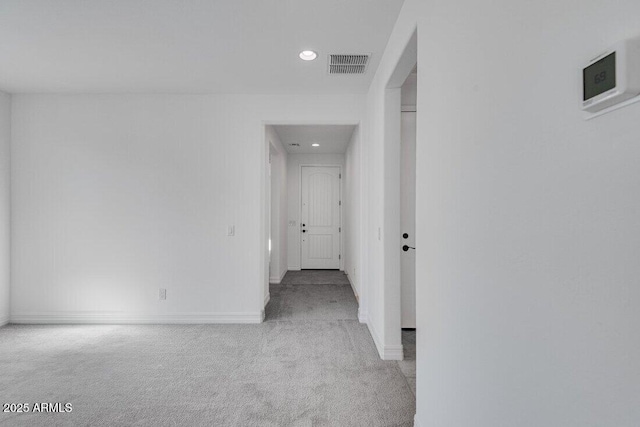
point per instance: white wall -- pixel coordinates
(409, 92)
(279, 207)
(5, 210)
(352, 211)
(527, 216)
(116, 196)
(294, 161)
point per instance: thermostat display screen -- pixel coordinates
(600, 76)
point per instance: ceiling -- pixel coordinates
(333, 139)
(187, 46)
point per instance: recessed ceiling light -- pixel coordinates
(315, 145)
(308, 55)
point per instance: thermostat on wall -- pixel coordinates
(612, 77)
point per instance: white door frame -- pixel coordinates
(391, 346)
(339, 166)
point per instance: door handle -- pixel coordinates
(304, 231)
(406, 248)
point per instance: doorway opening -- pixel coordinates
(408, 226)
(311, 210)
(408, 202)
(400, 243)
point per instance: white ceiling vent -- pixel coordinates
(348, 64)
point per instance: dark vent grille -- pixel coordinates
(348, 64)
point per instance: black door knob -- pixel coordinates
(405, 235)
(406, 248)
(304, 231)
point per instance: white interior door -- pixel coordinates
(320, 219)
(408, 220)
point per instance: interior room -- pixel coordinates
(458, 248)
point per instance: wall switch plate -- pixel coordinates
(231, 230)
(163, 294)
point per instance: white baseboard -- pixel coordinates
(416, 423)
(296, 268)
(267, 298)
(277, 280)
(362, 315)
(386, 352)
(353, 288)
(133, 318)
(4, 320)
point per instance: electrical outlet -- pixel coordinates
(163, 294)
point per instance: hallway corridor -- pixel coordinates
(312, 295)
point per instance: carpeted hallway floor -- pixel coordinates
(311, 363)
